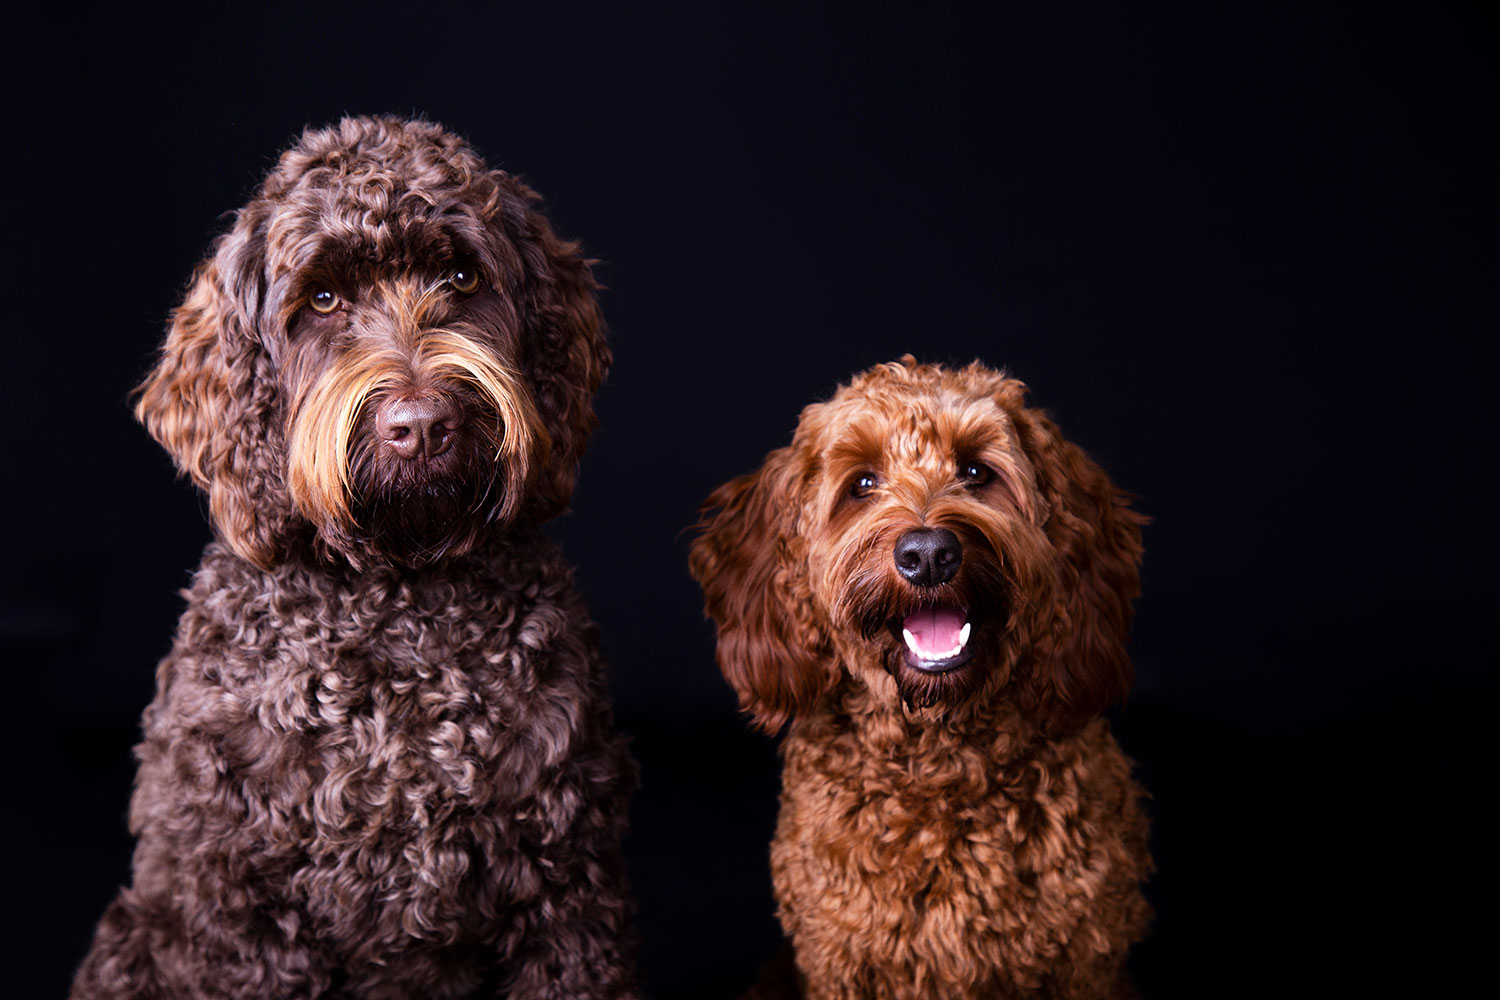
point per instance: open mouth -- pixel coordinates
(937, 638)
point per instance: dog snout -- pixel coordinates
(414, 428)
(927, 557)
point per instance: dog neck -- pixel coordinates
(867, 711)
(320, 568)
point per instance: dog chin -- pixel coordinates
(926, 689)
(423, 519)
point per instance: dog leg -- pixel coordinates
(573, 940)
(147, 947)
(575, 943)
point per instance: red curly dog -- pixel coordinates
(934, 589)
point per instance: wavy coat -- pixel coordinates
(973, 831)
(379, 762)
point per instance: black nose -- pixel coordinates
(928, 556)
(415, 427)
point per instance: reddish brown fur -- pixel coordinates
(970, 833)
(379, 762)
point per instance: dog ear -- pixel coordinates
(563, 346)
(204, 401)
(1081, 662)
(770, 648)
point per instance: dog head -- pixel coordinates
(389, 353)
(932, 536)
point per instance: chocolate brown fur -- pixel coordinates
(974, 832)
(380, 760)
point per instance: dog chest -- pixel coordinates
(883, 871)
(391, 769)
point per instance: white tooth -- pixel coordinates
(911, 641)
(963, 636)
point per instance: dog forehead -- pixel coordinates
(377, 189)
(910, 423)
(372, 153)
(345, 240)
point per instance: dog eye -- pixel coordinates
(975, 473)
(323, 301)
(464, 278)
(863, 484)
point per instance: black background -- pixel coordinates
(1237, 253)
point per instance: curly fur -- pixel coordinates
(380, 761)
(970, 832)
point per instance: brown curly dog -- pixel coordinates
(934, 589)
(380, 760)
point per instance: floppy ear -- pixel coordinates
(209, 400)
(1080, 661)
(563, 346)
(745, 558)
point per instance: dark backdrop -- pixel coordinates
(1237, 253)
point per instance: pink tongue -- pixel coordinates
(935, 629)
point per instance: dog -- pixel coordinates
(380, 761)
(930, 589)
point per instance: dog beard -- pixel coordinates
(418, 513)
(366, 501)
